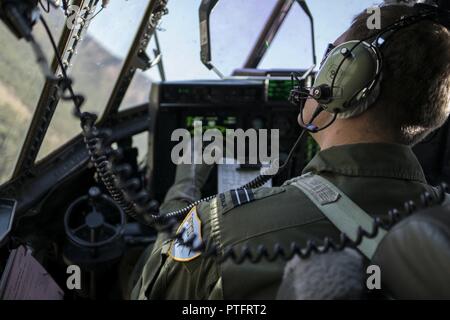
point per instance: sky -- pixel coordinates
(235, 26)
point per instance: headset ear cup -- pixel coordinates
(365, 103)
(351, 69)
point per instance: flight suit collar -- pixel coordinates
(369, 160)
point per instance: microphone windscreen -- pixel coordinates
(330, 276)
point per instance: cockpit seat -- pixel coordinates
(414, 257)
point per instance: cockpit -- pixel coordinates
(78, 196)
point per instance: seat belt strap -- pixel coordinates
(346, 215)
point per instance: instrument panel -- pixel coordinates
(220, 104)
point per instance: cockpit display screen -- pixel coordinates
(278, 90)
(211, 122)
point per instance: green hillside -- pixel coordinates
(94, 72)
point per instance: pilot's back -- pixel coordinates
(377, 177)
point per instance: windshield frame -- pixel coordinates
(47, 103)
(267, 34)
(49, 97)
(137, 57)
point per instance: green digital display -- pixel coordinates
(211, 122)
(184, 91)
(279, 90)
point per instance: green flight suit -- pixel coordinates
(377, 177)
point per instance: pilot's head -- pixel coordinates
(414, 93)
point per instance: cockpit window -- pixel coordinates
(235, 28)
(96, 67)
(139, 89)
(21, 83)
(179, 39)
(292, 46)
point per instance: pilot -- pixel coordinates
(365, 155)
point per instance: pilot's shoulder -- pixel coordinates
(227, 201)
(272, 199)
(238, 215)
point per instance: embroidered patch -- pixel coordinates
(193, 227)
(319, 190)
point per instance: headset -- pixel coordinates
(349, 77)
